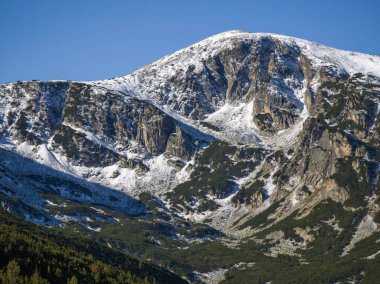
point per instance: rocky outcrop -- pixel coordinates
(181, 145)
(335, 156)
(91, 126)
(31, 111)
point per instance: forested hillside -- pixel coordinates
(34, 254)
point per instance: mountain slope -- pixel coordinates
(239, 141)
(278, 73)
(57, 258)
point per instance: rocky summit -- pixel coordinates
(244, 158)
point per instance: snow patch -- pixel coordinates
(236, 123)
(212, 277)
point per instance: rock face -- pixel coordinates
(240, 131)
(90, 126)
(332, 141)
(198, 80)
(31, 111)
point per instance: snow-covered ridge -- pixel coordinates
(352, 62)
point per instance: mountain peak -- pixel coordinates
(321, 55)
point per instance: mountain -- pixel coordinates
(241, 152)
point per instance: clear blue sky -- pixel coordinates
(98, 39)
